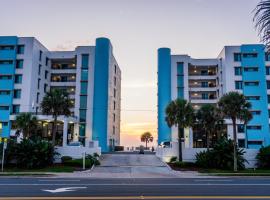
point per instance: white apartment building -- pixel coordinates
(90, 74)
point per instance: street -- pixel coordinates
(151, 188)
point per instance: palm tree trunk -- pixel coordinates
(146, 144)
(180, 134)
(54, 131)
(207, 140)
(234, 146)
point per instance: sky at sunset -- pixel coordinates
(136, 28)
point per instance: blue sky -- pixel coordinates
(137, 28)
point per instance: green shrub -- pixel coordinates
(119, 148)
(65, 158)
(263, 157)
(92, 159)
(203, 159)
(184, 164)
(30, 153)
(173, 159)
(221, 156)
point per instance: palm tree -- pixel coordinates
(262, 21)
(210, 120)
(234, 106)
(146, 137)
(26, 123)
(55, 103)
(181, 114)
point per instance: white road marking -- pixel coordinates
(218, 180)
(69, 189)
(138, 184)
(59, 180)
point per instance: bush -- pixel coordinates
(93, 159)
(119, 148)
(263, 157)
(173, 159)
(30, 153)
(221, 156)
(65, 158)
(184, 164)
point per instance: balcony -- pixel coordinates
(6, 84)
(7, 54)
(7, 69)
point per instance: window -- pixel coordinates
(4, 123)
(45, 88)
(268, 97)
(38, 83)
(83, 101)
(114, 105)
(82, 115)
(252, 83)
(114, 92)
(5, 77)
(84, 75)
(37, 100)
(19, 64)
(46, 74)
(114, 117)
(238, 85)
(4, 92)
(4, 107)
(113, 130)
(267, 56)
(251, 69)
(39, 69)
(205, 96)
(115, 69)
(180, 68)
(268, 84)
(18, 78)
(40, 55)
(240, 128)
(237, 71)
(15, 109)
(85, 60)
(237, 57)
(6, 62)
(254, 127)
(6, 47)
(254, 142)
(267, 69)
(241, 143)
(20, 49)
(47, 61)
(252, 97)
(17, 94)
(84, 88)
(255, 112)
(250, 55)
(114, 81)
(204, 84)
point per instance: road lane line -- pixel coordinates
(58, 180)
(202, 180)
(138, 184)
(136, 197)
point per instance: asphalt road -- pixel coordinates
(151, 188)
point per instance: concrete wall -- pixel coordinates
(189, 154)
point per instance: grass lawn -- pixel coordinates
(246, 172)
(185, 166)
(68, 167)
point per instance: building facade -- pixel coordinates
(90, 75)
(244, 68)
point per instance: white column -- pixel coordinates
(65, 130)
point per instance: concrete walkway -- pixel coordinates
(132, 166)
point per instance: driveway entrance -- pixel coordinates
(131, 166)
